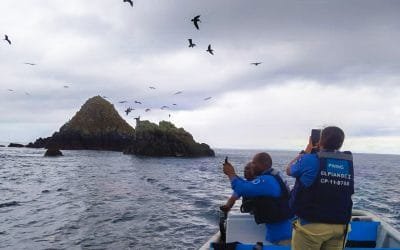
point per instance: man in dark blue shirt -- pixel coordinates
(321, 197)
(264, 185)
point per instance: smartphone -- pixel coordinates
(226, 160)
(315, 136)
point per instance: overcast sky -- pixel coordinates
(323, 63)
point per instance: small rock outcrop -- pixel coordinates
(97, 125)
(15, 145)
(9, 204)
(53, 152)
(166, 140)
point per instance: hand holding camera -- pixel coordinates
(313, 143)
(228, 169)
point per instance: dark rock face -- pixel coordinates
(2, 146)
(75, 140)
(39, 143)
(166, 140)
(97, 125)
(53, 152)
(15, 145)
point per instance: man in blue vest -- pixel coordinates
(270, 198)
(321, 197)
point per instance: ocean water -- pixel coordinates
(107, 200)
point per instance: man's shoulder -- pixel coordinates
(308, 163)
(267, 179)
(309, 159)
(313, 156)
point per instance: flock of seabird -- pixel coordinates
(129, 109)
(196, 20)
(8, 40)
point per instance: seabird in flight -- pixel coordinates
(128, 110)
(151, 87)
(191, 44)
(256, 63)
(210, 50)
(208, 98)
(129, 1)
(196, 21)
(179, 92)
(32, 64)
(137, 102)
(147, 110)
(7, 39)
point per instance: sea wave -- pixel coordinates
(107, 200)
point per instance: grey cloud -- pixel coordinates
(374, 131)
(102, 47)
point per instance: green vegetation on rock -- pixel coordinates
(165, 139)
(98, 116)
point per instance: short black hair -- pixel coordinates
(332, 138)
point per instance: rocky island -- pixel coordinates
(98, 126)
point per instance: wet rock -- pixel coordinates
(39, 143)
(52, 152)
(9, 204)
(15, 145)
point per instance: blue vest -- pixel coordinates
(328, 199)
(269, 209)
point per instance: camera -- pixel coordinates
(315, 136)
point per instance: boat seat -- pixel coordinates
(241, 227)
(362, 234)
